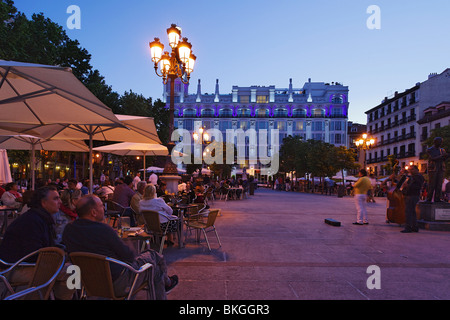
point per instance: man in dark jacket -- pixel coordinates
(32, 231)
(90, 234)
(412, 192)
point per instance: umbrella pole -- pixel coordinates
(33, 161)
(144, 164)
(91, 174)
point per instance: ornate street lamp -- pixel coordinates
(365, 143)
(170, 66)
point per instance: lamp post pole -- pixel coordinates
(365, 143)
(179, 64)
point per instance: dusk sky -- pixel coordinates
(260, 42)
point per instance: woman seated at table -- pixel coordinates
(12, 198)
(151, 202)
(69, 203)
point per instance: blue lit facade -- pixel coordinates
(317, 111)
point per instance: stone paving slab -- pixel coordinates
(276, 246)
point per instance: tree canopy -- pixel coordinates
(40, 40)
(314, 157)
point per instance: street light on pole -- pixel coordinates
(365, 143)
(179, 64)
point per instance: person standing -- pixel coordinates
(153, 179)
(136, 180)
(361, 188)
(412, 191)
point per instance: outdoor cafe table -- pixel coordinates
(182, 210)
(135, 236)
(233, 192)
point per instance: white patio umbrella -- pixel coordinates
(32, 143)
(155, 169)
(133, 129)
(5, 171)
(33, 96)
(135, 149)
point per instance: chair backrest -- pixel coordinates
(212, 215)
(95, 274)
(152, 221)
(50, 262)
(112, 205)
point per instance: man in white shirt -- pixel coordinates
(136, 180)
(153, 179)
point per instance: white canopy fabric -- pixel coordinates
(42, 94)
(135, 149)
(155, 169)
(44, 101)
(5, 171)
(27, 142)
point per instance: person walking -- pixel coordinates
(412, 191)
(361, 188)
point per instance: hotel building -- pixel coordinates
(397, 123)
(317, 110)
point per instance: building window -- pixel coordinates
(262, 113)
(262, 99)
(299, 113)
(208, 113)
(318, 126)
(319, 113)
(244, 113)
(280, 125)
(335, 112)
(189, 113)
(226, 113)
(206, 125)
(224, 125)
(244, 99)
(299, 125)
(280, 113)
(262, 125)
(337, 99)
(335, 125)
(188, 124)
(244, 125)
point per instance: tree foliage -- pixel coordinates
(40, 40)
(314, 157)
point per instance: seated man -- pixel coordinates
(32, 231)
(122, 195)
(90, 234)
(140, 187)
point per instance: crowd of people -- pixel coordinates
(65, 214)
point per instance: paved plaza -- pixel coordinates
(276, 246)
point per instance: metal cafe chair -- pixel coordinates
(153, 225)
(49, 264)
(97, 281)
(206, 226)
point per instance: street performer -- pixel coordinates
(411, 192)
